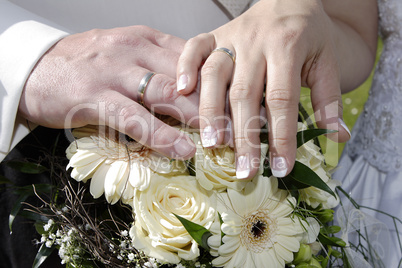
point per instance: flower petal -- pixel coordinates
(230, 245)
(283, 253)
(98, 181)
(290, 243)
(83, 157)
(82, 173)
(115, 173)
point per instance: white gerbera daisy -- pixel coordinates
(115, 163)
(258, 227)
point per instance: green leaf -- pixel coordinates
(302, 177)
(4, 180)
(309, 134)
(333, 229)
(39, 188)
(42, 255)
(199, 233)
(25, 192)
(336, 254)
(331, 241)
(290, 184)
(16, 208)
(32, 216)
(26, 167)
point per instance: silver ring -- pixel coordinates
(143, 86)
(226, 51)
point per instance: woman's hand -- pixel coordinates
(93, 78)
(283, 44)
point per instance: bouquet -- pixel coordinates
(125, 205)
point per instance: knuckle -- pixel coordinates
(208, 109)
(280, 142)
(198, 40)
(330, 100)
(143, 28)
(127, 114)
(245, 143)
(290, 32)
(162, 38)
(241, 141)
(168, 91)
(118, 38)
(281, 99)
(162, 136)
(94, 34)
(210, 69)
(240, 92)
(159, 133)
(192, 42)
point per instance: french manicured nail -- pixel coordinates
(182, 83)
(209, 137)
(345, 127)
(279, 167)
(183, 148)
(242, 167)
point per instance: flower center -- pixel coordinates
(258, 231)
(258, 228)
(121, 148)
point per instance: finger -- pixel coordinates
(158, 38)
(160, 96)
(326, 97)
(194, 53)
(228, 139)
(162, 60)
(167, 41)
(130, 118)
(229, 136)
(215, 79)
(245, 100)
(282, 98)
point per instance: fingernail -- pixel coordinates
(242, 167)
(209, 137)
(279, 167)
(345, 127)
(182, 83)
(183, 148)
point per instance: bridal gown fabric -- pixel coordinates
(371, 165)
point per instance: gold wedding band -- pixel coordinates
(143, 86)
(226, 51)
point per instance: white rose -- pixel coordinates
(216, 168)
(310, 155)
(157, 232)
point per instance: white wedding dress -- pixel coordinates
(371, 165)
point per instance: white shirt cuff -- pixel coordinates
(22, 44)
